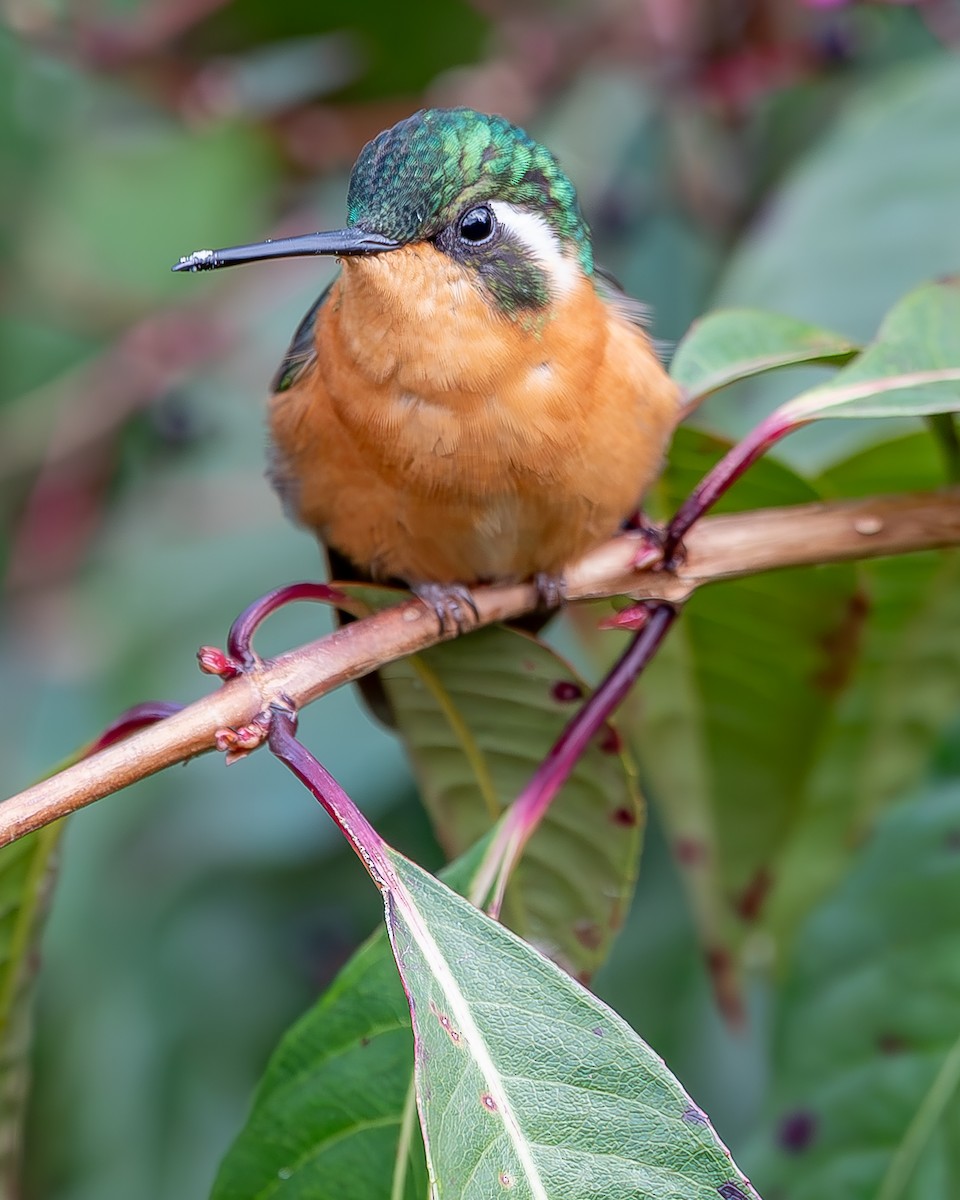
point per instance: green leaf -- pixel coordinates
(850, 229)
(26, 876)
(854, 226)
(738, 343)
(902, 662)
(867, 1099)
(478, 715)
(943, 426)
(912, 368)
(529, 1085)
(331, 1118)
(394, 61)
(313, 1132)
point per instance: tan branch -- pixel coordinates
(717, 548)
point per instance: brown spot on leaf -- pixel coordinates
(588, 934)
(726, 986)
(447, 1024)
(624, 816)
(488, 1102)
(610, 741)
(750, 901)
(797, 1131)
(841, 646)
(566, 691)
(695, 1116)
(690, 852)
(506, 1179)
(891, 1043)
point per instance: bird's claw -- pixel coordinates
(453, 604)
(656, 553)
(671, 557)
(551, 589)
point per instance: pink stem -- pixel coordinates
(366, 842)
(240, 637)
(530, 806)
(724, 475)
(137, 717)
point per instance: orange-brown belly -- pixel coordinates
(524, 454)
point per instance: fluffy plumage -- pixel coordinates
(459, 410)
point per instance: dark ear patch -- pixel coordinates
(517, 282)
(505, 266)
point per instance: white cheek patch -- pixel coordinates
(532, 231)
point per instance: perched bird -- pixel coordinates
(470, 401)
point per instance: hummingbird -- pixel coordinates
(472, 400)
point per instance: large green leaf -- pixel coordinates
(730, 345)
(901, 657)
(911, 368)
(333, 1117)
(26, 872)
(478, 715)
(866, 1102)
(528, 1084)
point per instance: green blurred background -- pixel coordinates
(802, 157)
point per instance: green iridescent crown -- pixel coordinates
(412, 180)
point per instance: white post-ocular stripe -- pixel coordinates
(535, 233)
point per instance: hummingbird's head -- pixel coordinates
(483, 192)
(476, 187)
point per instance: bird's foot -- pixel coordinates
(551, 590)
(453, 604)
(654, 553)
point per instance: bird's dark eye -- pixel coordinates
(476, 225)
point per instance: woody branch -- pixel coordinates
(717, 548)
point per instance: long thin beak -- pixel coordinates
(339, 243)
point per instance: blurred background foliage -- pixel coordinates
(796, 156)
